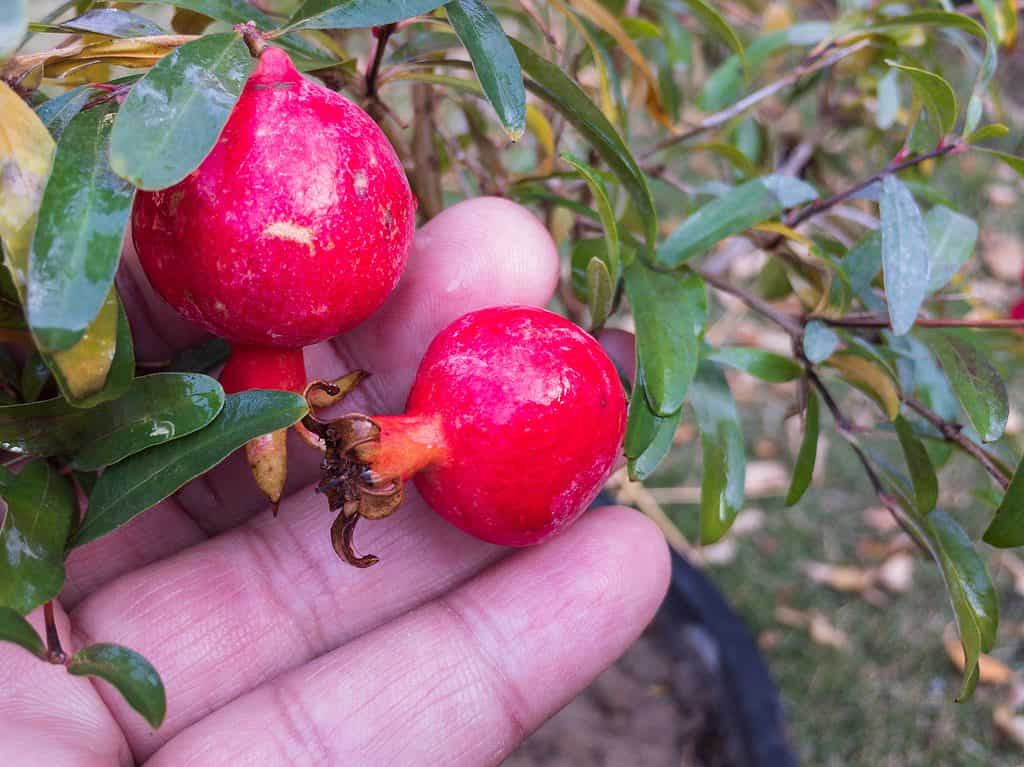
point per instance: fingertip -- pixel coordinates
(621, 347)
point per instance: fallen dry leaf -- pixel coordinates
(839, 577)
(1009, 724)
(821, 629)
(990, 670)
(897, 573)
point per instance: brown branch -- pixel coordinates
(878, 321)
(811, 65)
(787, 322)
(382, 34)
(797, 217)
(953, 433)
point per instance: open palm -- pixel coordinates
(450, 651)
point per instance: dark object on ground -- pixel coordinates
(692, 692)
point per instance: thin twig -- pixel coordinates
(797, 217)
(878, 321)
(787, 322)
(810, 66)
(54, 652)
(953, 433)
(382, 33)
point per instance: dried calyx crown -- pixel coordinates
(347, 478)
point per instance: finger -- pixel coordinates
(226, 615)
(48, 717)
(460, 681)
(480, 252)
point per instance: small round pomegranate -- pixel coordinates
(512, 426)
(294, 228)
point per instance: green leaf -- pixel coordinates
(976, 384)
(1007, 527)
(600, 293)
(228, 11)
(112, 22)
(173, 116)
(495, 62)
(202, 358)
(819, 341)
(101, 365)
(735, 211)
(937, 95)
(613, 256)
(951, 240)
(13, 25)
(922, 473)
(905, 260)
(1011, 161)
(722, 452)
(995, 130)
(803, 470)
(669, 311)
(41, 507)
(357, 14)
(156, 409)
(58, 112)
(551, 84)
(970, 591)
(143, 480)
(716, 23)
(77, 243)
(14, 628)
(768, 366)
(34, 376)
(648, 436)
(131, 675)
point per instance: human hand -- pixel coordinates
(450, 651)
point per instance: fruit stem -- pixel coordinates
(54, 652)
(408, 444)
(254, 39)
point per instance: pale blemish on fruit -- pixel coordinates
(220, 307)
(361, 184)
(286, 230)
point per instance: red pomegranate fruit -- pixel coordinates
(513, 424)
(294, 228)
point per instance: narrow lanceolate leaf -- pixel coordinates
(715, 22)
(13, 25)
(15, 629)
(648, 436)
(871, 378)
(101, 365)
(976, 384)
(59, 111)
(905, 262)
(156, 409)
(143, 480)
(131, 675)
(970, 591)
(613, 258)
(768, 366)
(722, 452)
(951, 240)
(669, 310)
(919, 465)
(26, 151)
(551, 84)
(937, 94)
(803, 470)
(495, 62)
(600, 293)
(77, 243)
(1011, 161)
(1006, 530)
(819, 341)
(112, 22)
(174, 115)
(41, 507)
(34, 376)
(735, 211)
(357, 14)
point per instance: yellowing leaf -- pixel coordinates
(84, 367)
(26, 151)
(870, 379)
(608, 107)
(788, 232)
(539, 126)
